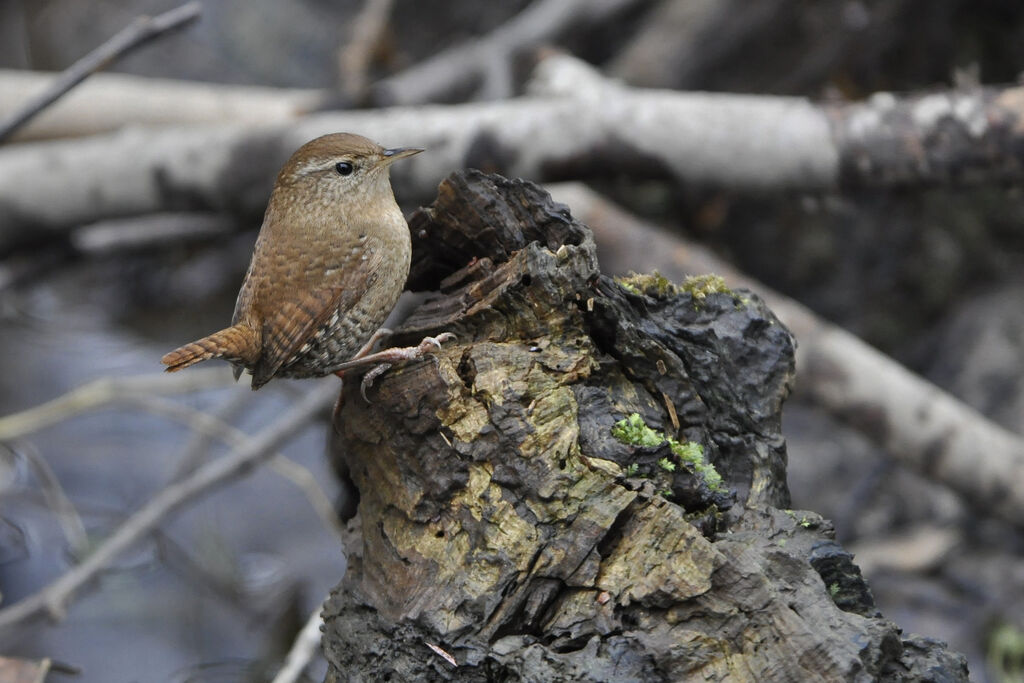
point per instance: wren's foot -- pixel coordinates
(399, 353)
(382, 333)
(388, 357)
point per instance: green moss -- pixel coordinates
(632, 469)
(652, 284)
(634, 431)
(833, 590)
(658, 286)
(699, 286)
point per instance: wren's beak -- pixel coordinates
(393, 155)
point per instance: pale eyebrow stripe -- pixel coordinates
(320, 165)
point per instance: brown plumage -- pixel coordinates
(330, 261)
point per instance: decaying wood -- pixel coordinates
(917, 423)
(138, 33)
(576, 125)
(107, 102)
(504, 533)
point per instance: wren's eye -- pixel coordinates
(344, 168)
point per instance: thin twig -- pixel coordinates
(53, 493)
(139, 32)
(54, 598)
(307, 483)
(108, 390)
(306, 644)
(130, 393)
(213, 426)
(198, 445)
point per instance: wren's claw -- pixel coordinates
(370, 376)
(434, 343)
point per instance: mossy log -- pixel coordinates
(506, 530)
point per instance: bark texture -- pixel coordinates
(503, 527)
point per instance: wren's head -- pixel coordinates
(340, 167)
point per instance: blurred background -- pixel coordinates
(932, 276)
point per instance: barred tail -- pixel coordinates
(237, 343)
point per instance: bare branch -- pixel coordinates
(53, 493)
(203, 424)
(139, 32)
(459, 66)
(108, 390)
(108, 101)
(149, 231)
(54, 598)
(918, 424)
(195, 451)
(578, 125)
(305, 647)
(680, 38)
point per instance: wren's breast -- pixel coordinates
(384, 261)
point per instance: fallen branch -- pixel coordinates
(53, 599)
(600, 129)
(488, 59)
(136, 34)
(107, 102)
(150, 231)
(680, 39)
(918, 424)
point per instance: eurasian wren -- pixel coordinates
(330, 261)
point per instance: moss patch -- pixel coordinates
(699, 286)
(652, 284)
(634, 431)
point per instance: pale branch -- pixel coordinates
(54, 598)
(306, 482)
(917, 423)
(150, 231)
(304, 648)
(107, 102)
(577, 125)
(107, 390)
(488, 58)
(364, 38)
(680, 38)
(136, 34)
(206, 426)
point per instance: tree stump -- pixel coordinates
(589, 483)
